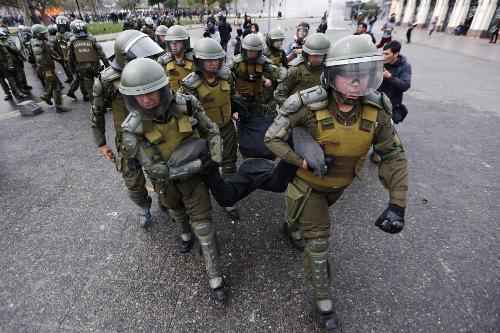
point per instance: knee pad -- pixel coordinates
(317, 246)
(202, 230)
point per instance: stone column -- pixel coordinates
(423, 12)
(409, 12)
(399, 10)
(440, 12)
(458, 15)
(482, 18)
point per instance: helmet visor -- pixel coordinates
(143, 47)
(152, 105)
(355, 80)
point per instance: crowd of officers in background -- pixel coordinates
(246, 108)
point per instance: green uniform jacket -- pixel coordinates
(393, 168)
(299, 77)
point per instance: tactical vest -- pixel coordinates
(85, 51)
(249, 79)
(63, 45)
(118, 109)
(163, 138)
(306, 78)
(348, 144)
(177, 72)
(216, 101)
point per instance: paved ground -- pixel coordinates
(74, 259)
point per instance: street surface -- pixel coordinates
(75, 260)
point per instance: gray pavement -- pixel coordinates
(75, 260)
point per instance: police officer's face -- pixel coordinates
(149, 101)
(176, 46)
(212, 65)
(161, 38)
(360, 29)
(351, 87)
(315, 60)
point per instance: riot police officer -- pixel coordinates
(178, 62)
(160, 123)
(9, 66)
(129, 44)
(274, 51)
(45, 66)
(84, 55)
(305, 70)
(346, 116)
(160, 34)
(212, 84)
(253, 73)
(63, 37)
(149, 27)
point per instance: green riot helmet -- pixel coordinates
(252, 43)
(39, 31)
(145, 88)
(161, 30)
(131, 44)
(174, 34)
(275, 39)
(79, 28)
(208, 49)
(315, 45)
(52, 29)
(353, 67)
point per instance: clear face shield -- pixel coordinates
(144, 47)
(176, 46)
(211, 65)
(152, 105)
(353, 80)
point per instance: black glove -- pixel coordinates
(392, 219)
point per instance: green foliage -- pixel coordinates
(104, 28)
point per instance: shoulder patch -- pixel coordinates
(297, 61)
(379, 100)
(224, 73)
(165, 58)
(109, 74)
(313, 95)
(291, 105)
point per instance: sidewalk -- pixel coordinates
(470, 46)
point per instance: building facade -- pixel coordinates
(471, 17)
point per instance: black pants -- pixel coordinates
(494, 37)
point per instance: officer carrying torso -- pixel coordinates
(212, 85)
(45, 66)
(179, 61)
(346, 116)
(253, 73)
(128, 45)
(305, 70)
(161, 124)
(63, 37)
(84, 55)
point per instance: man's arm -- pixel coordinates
(403, 82)
(101, 54)
(286, 86)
